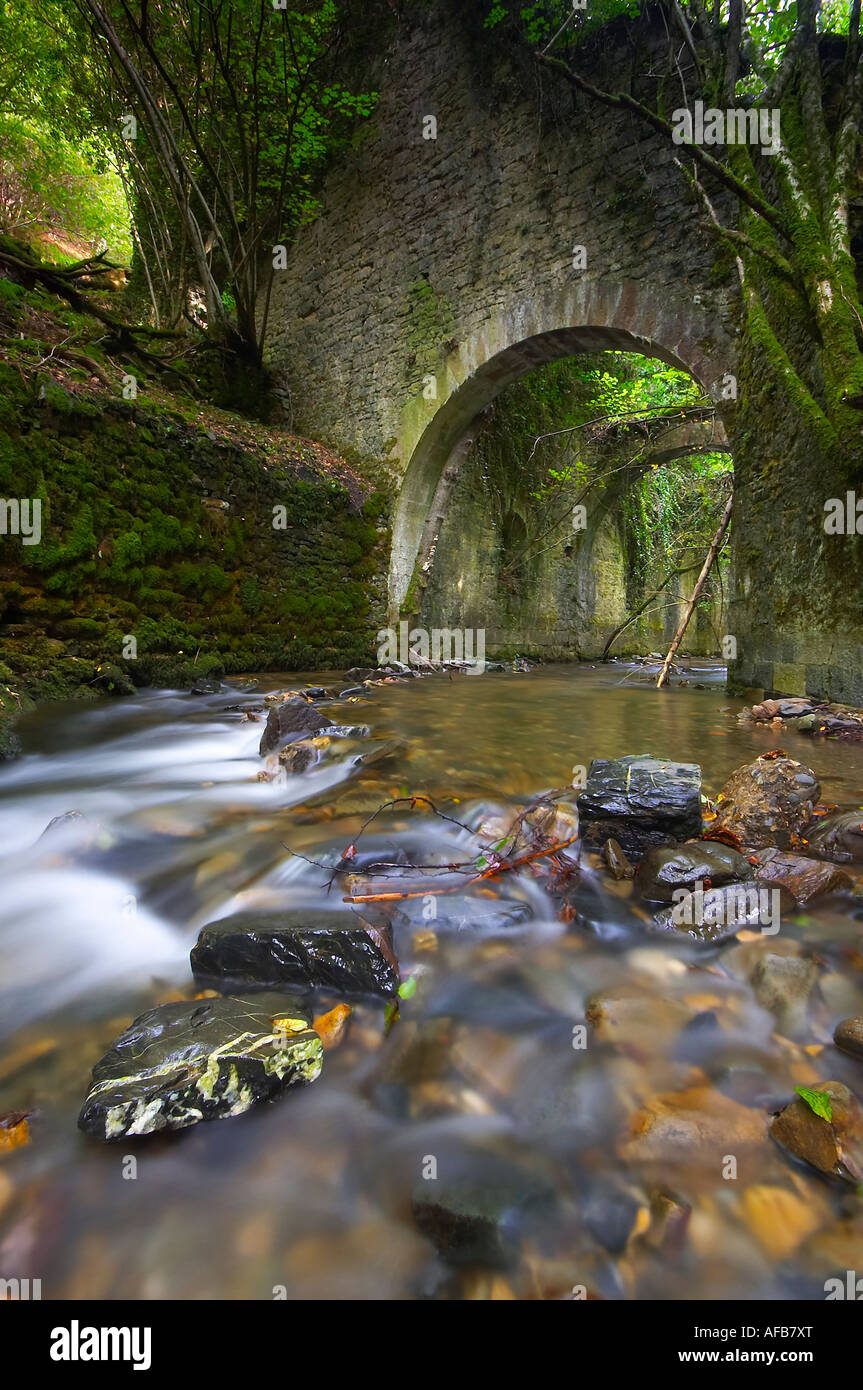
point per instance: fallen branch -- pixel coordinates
(638, 612)
(499, 867)
(699, 585)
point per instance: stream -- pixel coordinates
(477, 1082)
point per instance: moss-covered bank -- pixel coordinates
(175, 542)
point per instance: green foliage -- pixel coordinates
(768, 26)
(57, 171)
(237, 108)
(540, 21)
(818, 1102)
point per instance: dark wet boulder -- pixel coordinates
(848, 1037)
(666, 868)
(304, 948)
(768, 802)
(803, 878)
(709, 917)
(640, 801)
(481, 1212)
(839, 838)
(292, 719)
(834, 1145)
(206, 1059)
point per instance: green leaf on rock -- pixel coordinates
(818, 1102)
(407, 989)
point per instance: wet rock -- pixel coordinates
(839, 838)
(550, 822)
(617, 860)
(664, 869)
(847, 726)
(697, 1126)
(204, 687)
(299, 757)
(463, 913)
(389, 748)
(70, 831)
(836, 1251)
(292, 719)
(709, 917)
(849, 1037)
(610, 1212)
(768, 802)
(833, 1146)
(792, 707)
(205, 1059)
(782, 986)
(669, 1222)
(305, 948)
(590, 908)
(481, 1213)
(636, 1019)
(780, 1219)
(348, 731)
(802, 877)
(640, 801)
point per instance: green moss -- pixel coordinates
(130, 550)
(429, 337)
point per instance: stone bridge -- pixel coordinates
(485, 222)
(440, 269)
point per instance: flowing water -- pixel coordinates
(477, 1081)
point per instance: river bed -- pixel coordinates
(477, 1084)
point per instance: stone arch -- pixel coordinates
(589, 316)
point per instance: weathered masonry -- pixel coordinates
(440, 269)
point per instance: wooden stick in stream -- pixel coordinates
(690, 607)
(493, 871)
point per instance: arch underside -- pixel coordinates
(459, 419)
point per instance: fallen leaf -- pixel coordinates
(331, 1027)
(14, 1130)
